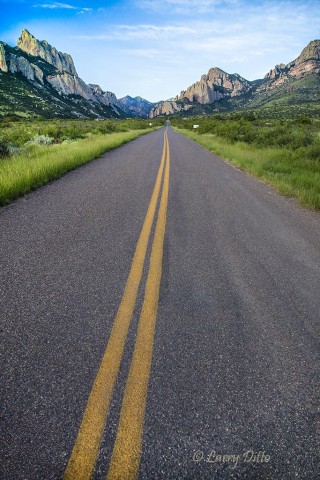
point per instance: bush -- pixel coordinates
(303, 121)
(41, 140)
(4, 150)
(312, 152)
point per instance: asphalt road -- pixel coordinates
(224, 288)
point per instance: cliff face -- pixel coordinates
(107, 98)
(71, 85)
(169, 107)
(44, 66)
(61, 61)
(215, 85)
(21, 65)
(3, 62)
(306, 64)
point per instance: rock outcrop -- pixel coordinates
(3, 62)
(22, 65)
(275, 72)
(12, 63)
(215, 85)
(169, 107)
(71, 85)
(307, 63)
(61, 61)
(107, 98)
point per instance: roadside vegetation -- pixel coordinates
(284, 153)
(34, 152)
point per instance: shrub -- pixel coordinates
(41, 140)
(4, 150)
(303, 121)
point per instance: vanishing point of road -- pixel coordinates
(160, 314)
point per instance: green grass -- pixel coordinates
(292, 173)
(22, 173)
(18, 132)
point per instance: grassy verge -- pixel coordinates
(22, 173)
(289, 172)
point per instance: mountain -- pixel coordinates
(137, 106)
(215, 85)
(37, 79)
(220, 91)
(61, 61)
(307, 63)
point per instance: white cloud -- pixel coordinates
(55, 5)
(187, 7)
(85, 10)
(63, 6)
(141, 32)
(155, 31)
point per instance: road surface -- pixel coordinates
(160, 314)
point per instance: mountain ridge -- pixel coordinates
(44, 72)
(61, 61)
(218, 85)
(37, 79)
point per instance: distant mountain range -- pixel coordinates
(38, 80)
(218, 91)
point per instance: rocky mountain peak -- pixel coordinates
(61, 61)
(307, 62)
(310, 52)
(215, 85)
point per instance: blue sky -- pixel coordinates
(156, 48)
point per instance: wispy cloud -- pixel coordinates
(141, 32)
(63, 6)
(55, 5)
(155, 31)
(182, 6)
(85, 10)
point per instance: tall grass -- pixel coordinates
(22, 173)
(292, 173)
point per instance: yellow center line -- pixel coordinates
(85, 451)
(126, 454)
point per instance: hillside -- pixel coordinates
(137, 106)
(38, 80)
(293, 88)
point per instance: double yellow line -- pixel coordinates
(126, 454)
